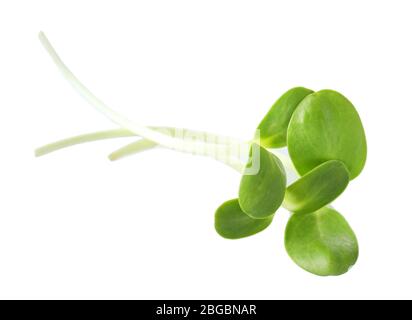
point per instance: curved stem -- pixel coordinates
(132, 148)
(142, 145)
(291, 172)
(88, 137)
(206, 137)
(147, 133)
(210, 140)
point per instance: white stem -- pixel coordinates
(159, 138)
(291, 173)
(88, 137)
(207, 137)
(132, 148)
(144, 145)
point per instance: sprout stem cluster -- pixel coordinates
(325, 149)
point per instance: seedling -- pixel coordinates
(326, 147)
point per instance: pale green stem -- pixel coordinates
(142, 145)
(88, 137)
(147, 133)
(132, 148)
(207, 137)
(291, 172)
(183, 145)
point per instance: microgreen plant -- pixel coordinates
(325, 149)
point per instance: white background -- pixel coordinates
(74, 225)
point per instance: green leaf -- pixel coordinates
(317, 188)
(260, 195)
(326, 126)
(232, 223)
(321, 242)
(273, 127)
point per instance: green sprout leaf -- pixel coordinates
(273, 128)
(321, 242)
(317, 188)
(232, 223)
(260, 195)
(326, 126)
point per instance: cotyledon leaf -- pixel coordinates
(273, 127)
(317, 188)
(261, 194)
(326, 126)
(232, 223)
(321, 242)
